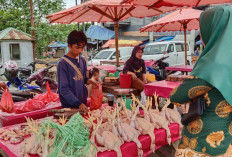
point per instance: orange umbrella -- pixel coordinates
(105, 11)
(180, 20)
(179, 3)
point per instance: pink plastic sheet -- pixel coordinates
(12, 150)
(149, 62)
(162, 88)
(109, 68)
(184, 68)
(7, 119)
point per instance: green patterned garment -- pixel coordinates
(212, 132)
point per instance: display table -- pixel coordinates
(162, 88)
(112, 62)
(129, 149)
(109, 68)
(13, 118)
(110, 89)
(183, 68)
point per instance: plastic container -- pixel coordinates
(116, 74)
(110, 98)
(125, 81)
(150, 77)
(128, 104)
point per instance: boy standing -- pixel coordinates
(71, 72)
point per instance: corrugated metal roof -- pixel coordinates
(14, 34)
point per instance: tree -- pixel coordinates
(16, 14)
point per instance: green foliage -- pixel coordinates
(16, 14)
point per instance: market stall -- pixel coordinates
(13, 149)
(109, 68)
(98, 133)
(7, 119)
(182, 68)
(162, 88)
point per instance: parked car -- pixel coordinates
(175, 50)
(110, 54)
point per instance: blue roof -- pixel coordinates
(58, 44)
(163, 38)
(100, 33)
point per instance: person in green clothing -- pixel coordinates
(211, 133)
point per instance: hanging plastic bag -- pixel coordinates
(47, 97)
(7, 104)
(96, 97)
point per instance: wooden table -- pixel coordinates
(110, 89)
(112, 62)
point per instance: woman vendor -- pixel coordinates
(135, 67)
(211, 133)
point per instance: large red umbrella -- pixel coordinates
(180, 3)
(105, 11)
(180, 20)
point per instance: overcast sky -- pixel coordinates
(71, 3)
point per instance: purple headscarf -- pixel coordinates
(133, 63)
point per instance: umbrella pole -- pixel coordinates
(116, 41)
(185, 42)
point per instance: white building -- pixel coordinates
(17, 46)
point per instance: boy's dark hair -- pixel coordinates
(93, 71)
(76, 37)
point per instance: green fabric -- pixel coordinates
(215, 119)
(215, 63)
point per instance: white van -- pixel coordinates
(110, 54)
(174, 49)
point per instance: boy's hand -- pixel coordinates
(2, 86)
(84, 108)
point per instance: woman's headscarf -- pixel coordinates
(215, 63)
(134, 60)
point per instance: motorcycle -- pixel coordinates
(158, 68)
(11, 74)
(24, 73)
(40, 78)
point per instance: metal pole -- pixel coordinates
(185, 42)
(32, 31)
(116, 41)
(78, 25)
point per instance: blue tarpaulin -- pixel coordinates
(58, 44)
(165, 38)
(100, 33)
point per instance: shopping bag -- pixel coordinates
(96, 97)
(7, 104)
